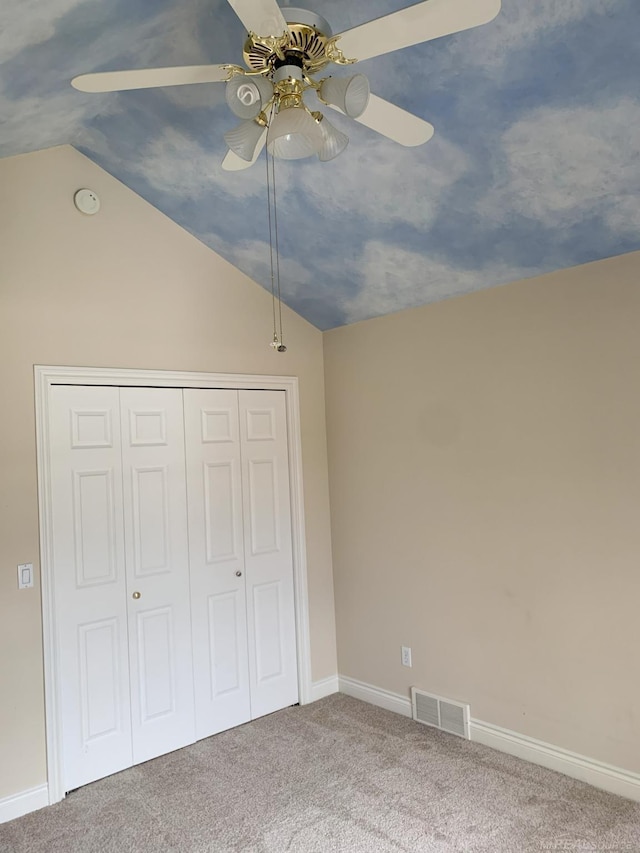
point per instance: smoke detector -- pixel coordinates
(87, 202)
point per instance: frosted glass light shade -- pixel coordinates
(247, 97)
(333, 140)
(293, 134)
(350, 94)
(243, 139)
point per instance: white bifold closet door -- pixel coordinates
(121, 577)
(173, 572)
(89, 568)
(241, 558)
(157, 561)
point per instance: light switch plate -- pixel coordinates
(25, 575)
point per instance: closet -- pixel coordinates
(172, 567)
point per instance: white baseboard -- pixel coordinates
(589, 770)
(596, 773)
(324, 687)
(26, 801)
(375, 695)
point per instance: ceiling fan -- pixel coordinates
(284, 52)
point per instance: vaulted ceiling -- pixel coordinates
(534, 165)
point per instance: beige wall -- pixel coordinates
(485, 457)
(485, 498)
(126, 288)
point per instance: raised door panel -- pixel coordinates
(156, 669)
(157, 558)
(264, 506)
(268, 551)
(227, 649)
(150, 520)
(94, 527)
(268, 624)
(217, 560)
(89, 582)
(221, 521)
(100, 683)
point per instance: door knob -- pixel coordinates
(136, 595)
(238, 574)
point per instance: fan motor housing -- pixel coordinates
(308, 37)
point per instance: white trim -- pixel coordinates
(616, 780)
(375, 695)
(45, 377)
(596, 773)
(26, 801)
(324, 687)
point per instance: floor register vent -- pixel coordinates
(443, 714)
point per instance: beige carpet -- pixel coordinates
(337, 775)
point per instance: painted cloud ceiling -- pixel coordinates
(534, 165)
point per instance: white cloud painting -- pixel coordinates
(534, 165)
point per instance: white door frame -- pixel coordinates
(45, 377)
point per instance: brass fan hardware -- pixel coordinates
(315, 48)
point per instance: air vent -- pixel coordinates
(444, 714)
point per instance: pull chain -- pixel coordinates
(282, 347)
(277, 343)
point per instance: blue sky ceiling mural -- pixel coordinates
(534, 165)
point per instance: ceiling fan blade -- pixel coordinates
(262, 17)
(233, 163)
(394, 122)
(149, 78)
(416, 24)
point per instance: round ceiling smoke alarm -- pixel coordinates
(87, 202)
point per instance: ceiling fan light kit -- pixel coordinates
(247, 98)
(333, 141)
(244, 139)
(294, 134)
(350, 94)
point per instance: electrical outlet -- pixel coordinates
(406, 656)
